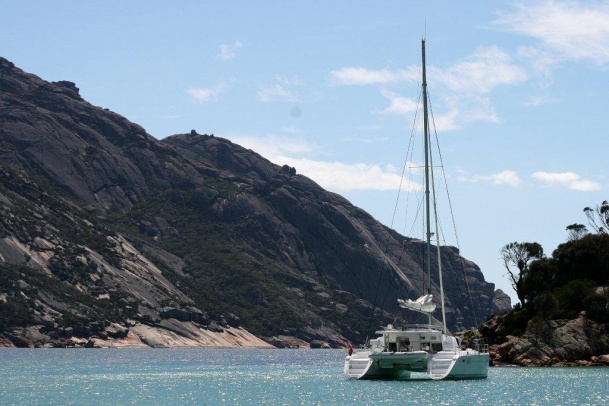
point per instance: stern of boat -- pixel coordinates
(457, 366)
(356, 365)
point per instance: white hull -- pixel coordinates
(458, 365)
(383, 365)
(463, 365)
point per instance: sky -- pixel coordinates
(519, 93)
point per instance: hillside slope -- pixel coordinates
(104, 229)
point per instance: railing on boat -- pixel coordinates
(482, 348)
(422, 327)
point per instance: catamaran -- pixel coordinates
(420, 348)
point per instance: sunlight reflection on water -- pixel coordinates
(279, 377)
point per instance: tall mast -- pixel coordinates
(427, 204)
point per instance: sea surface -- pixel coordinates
(273, 377)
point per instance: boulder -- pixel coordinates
(319, 344)
(21, 342)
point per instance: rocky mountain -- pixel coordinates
(108, 235)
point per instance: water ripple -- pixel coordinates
(278, 377)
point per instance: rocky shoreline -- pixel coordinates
(181, 335)
(170, 333)
(561, 343)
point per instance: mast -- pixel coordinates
(426, 146)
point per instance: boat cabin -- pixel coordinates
(414, 338)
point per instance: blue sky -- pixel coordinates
(519, 92)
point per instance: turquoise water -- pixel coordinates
(275, 377)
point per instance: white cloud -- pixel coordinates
(335, 176)
(290, 81)
(277, 93)
(272, 146)
(363, 76)
(566, 30)
(282, 91)
(203, 95)
(465, 109)
(540, 61)
(229, 51)
(569, 180)
(536, 101)
(447, 122)
(341, 178)
(464, 87)
(401, 106)
(480, 73)
(507, 177)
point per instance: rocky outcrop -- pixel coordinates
(287, 342)
(502, 303)
(172, 334)
(578, 342)
(101, 223)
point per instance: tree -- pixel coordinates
(599, 217)
(545, 305)
(576, 232)
(540, 277)
(520, 255)
(586, 258)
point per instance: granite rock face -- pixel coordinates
(577, 342)
(190, 229)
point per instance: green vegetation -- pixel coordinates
(21, 288)
(573, 280)
(69, 292)
(520, 255)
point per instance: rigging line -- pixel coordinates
(417, 215)
(460, 281)
(435, 209)
(408, 153)
(418, 205)
(411, 175)
(452, 216)
(390, 285)
(444, 174)
(401, 286)
(420, 199)
(411, 232)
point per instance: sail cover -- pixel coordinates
(423, 304)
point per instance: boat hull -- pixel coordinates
(458, 366)
(470, 366)
(444, 365)
(385, 365)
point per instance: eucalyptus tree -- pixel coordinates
(576, 231)
(599, 217)
(520, 256)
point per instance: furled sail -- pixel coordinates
(423, 304)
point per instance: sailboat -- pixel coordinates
(420, 348)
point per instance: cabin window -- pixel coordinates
(435, 347)
(404, 344)
(393, 347)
